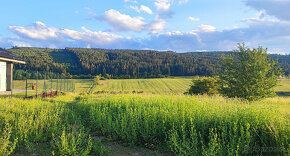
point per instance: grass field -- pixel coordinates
(164, 86)
(148, 86)
(149, 113)
(160, 86)
(173, 124)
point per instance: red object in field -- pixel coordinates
(33, 87)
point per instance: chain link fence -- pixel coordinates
(47, 86)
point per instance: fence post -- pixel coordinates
(44, 85)
(50, 83)
(60, 83)
(11, 90)
(36, 83)
(26, 85)
(57, 82)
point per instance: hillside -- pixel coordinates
(83, 63)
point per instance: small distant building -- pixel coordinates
(7, 60)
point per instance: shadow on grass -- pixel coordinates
(283, 94)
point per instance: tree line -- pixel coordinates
(86, 63)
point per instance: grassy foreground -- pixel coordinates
(151, 113)
(185, 125)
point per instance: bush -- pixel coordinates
(204, 85)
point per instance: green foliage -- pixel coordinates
(190, 125)
(7, 145)
(249, 74)
(204, 85)
(27, 124)
(72, 143)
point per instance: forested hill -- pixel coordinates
(84, 63)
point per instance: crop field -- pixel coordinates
(149, 113)
(148, 86)
(164, 86)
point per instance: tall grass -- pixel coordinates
(25, 125)
(186, 125)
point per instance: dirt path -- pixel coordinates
(118, 148)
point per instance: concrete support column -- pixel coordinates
(9, 75)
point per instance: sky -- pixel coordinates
(177, 25)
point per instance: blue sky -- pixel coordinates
(178, 25)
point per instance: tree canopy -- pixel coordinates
(249, 74)
(85, 63)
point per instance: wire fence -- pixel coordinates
(48, 86)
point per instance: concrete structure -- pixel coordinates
(7, 60)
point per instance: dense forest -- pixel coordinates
(85, 63)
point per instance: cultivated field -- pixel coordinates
(177, 85)
(164, 86)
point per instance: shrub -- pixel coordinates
(204, 85)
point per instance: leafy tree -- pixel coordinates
(204, 85)
(249, 74)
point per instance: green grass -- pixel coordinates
(164, 86)
(42, 127)
(151, 113)
(283, 88)
(176, 86)
(185, 125)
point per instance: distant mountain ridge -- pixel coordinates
(84, 63)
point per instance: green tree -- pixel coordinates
(249, 74)
(204, 85)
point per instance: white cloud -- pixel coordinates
(163, 5)
(123, 22)
(146, 9)
(163, 8)
(182, 2)
(193, 18)
(261, 31)
(41, 35)
(97, 38)
(142, 8)
(156, 26)
(206, 28)
(38, 31)
(130, 1)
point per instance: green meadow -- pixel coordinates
(175, 85)
(151, 114)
